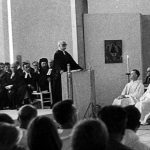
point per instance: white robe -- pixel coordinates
(132, 91)
(144, 105)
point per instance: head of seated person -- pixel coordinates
(65, 114)
(35, 65)
(42, 134)
(6, 118)
(9, 136)
(89, 134)
(26, 67)
(25, 114)
(134, 75)
(1, 66)
(7, 67)
(13, 67)
(43, 64)
(133, 117)
(115, 118)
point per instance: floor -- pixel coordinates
(144, 134)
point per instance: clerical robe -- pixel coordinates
(144, 105)
(132, 92)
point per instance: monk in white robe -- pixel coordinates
(144, 105)
(132, 91)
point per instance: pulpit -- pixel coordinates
(80, 86)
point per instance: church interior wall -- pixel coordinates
(110, 79)
(38, 26)
(145, 32)
(119, 6)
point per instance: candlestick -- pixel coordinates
(128, 64)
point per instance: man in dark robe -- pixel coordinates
(43, 74)
(61, 59)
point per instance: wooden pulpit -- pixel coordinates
(80, 86)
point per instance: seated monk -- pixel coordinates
(144, 106)
(132, 91)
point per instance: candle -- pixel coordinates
(127, 63)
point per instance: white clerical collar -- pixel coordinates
(27, 74)
(12, 75)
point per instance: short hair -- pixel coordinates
(62, 43)
(63, 111)
(9, 136)
(42, 134)
(137, 72)
(27, 113)
(7, 64)
(35, 62)
(133, 117)
(89, 134)
(6, 118)
(114, 117)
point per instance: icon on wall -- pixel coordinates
(113, 51)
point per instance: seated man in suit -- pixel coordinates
(132, 91)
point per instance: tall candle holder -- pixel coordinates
(128, 76)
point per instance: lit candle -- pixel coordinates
(127, 63)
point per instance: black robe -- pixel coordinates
(60, 63)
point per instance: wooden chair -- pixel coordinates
(40, 96)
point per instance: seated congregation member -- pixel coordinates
(147, 80)
(65, 115)
(61, 59)
(19, 69)
(44, 75)
(9, 137)
(132, 91)
(42, 135)
(16, 87)
(144, 106)
(7, 67)
(30, 80)
(115, 119)
(25, 115)
(130, 138)
(90, 135)
(3, 91)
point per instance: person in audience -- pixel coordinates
(25, 115)
(35, 65)
(61, 59)
(132, 91)
(147, 80)
(90, 134)
(144, 106)
(16, 88)
(30, 81)
(115, 118)
(19, 69)
(7, 67)
(44, 75)
(9, 137)
(3, 91)
(65, 115)
(42, 134)
(130, 138)
(6, 118)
